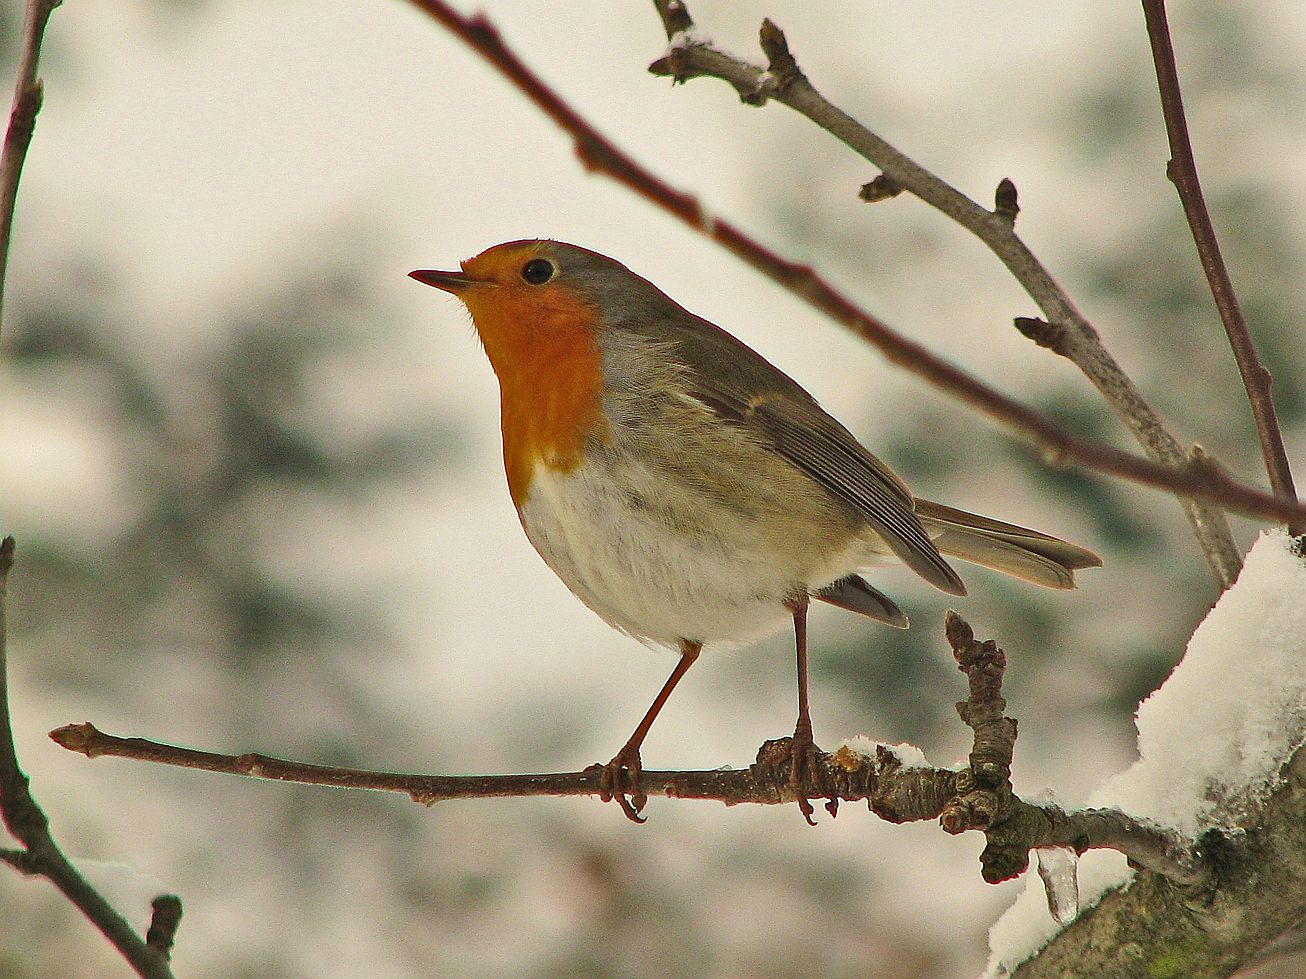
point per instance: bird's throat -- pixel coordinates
(550, 384)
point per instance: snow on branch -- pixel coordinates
(1220, 762)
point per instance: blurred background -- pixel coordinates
(254, 471)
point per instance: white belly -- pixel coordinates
(655, 562)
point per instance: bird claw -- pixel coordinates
(619, 781)
(803, 759)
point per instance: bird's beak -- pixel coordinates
(454, 282)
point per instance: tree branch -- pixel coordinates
(978, 797)
(1077, 340)
(1012, 827)
(1182, 171)
(22, 122)
(600, 154)
(1157, 926)
(22, 816)
(27, 824)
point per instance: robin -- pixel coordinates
(688, 491)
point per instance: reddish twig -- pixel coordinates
(894, 793)
(601, 155)
(1182, 171)
(761, 785)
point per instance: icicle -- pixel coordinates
(1059, 868)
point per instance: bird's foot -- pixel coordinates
(805, 768)
(620, 781)
(802, 760)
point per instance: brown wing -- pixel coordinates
(744, 389)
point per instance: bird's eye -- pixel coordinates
(537, 271)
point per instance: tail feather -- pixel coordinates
(855, 594)
(1017, 551)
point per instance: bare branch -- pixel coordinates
(599, 154)
(27, 823)
(765, 784)
(1079, 343)
(1012, 827)
(1182, 171)
(22, 122)
(22, 816)
(894, 793)
(978, 797)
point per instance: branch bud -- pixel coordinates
(881, 188)
(1005, 205)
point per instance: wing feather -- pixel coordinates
(748, 391)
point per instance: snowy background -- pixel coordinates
(254, 471)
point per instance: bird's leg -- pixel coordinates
(621, 776)
(803, 745)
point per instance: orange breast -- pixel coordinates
(541, 346)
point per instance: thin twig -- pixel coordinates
(21, 814)
(730, 786)
(1182, 171)
(978, 797)
(892, 792)
(22, 122)
(1078, 341)
(27, 823)
(599, 154)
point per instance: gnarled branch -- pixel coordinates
(978, 797)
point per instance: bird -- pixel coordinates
(688, 491)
